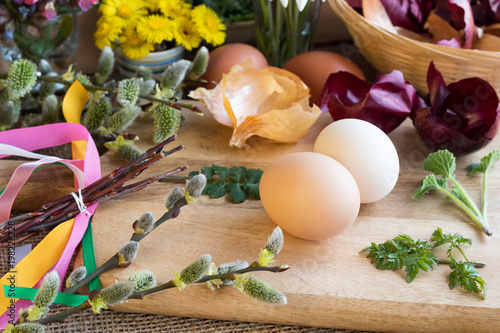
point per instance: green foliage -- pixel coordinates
(240, 182)
(404, 252)
(443, 163)
(486, 162)
(230, 10)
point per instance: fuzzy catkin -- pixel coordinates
(200, 63)
(128, 92)
(196, 269)
(167, 121)
(145, 223)
(9, 114)
(174, 196)
(231, 267)
(96, 114)
(174, 74)
(144, 280)
(263, 292)
(127, 253)
(22, 78)
(105, 65)
(128, 152)
(48, 290)
(123, 118)
(117, 292)
(76, 276)
(50, 109)
(28, 328)
(275, 241)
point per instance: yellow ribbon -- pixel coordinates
(47, 253)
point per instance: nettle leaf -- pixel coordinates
(486, 162)
(441, 163)
(215, 189)
(208, 171)
(252, 180)
(429, 183)
(222, 172)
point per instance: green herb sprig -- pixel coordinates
(443, 163)
(239, 182)
(416, 256)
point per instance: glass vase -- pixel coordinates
(55, 41)
(284, 32)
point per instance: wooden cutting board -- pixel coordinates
(329, 283)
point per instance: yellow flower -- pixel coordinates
(174, 8)
(185, 33)
(107, 31)
(155, 29)
(209, 25)
(133, 46)
(127, 12)
(265, 258)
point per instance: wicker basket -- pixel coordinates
(387, 51)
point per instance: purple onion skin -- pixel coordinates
(385, 104)
(463, 116)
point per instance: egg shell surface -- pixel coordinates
(222, 58)
(309, 195)
(366, 151)
(314, 67)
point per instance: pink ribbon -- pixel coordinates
(45, 136)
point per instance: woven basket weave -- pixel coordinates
(387, 51)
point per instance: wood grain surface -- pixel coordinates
(329, 284)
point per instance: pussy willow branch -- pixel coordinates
(106, 188)
(173, 103)
(61, 316)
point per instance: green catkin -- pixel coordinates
(9, 114)
(231, 267)
(96, 114)
(105, 65)
(128, 152)
(167, 121)
(48, 290)
(196, 270)
(128, 92)
(117, 292)
(263, 292)
(76, 276)
(45, 67)
(21, 77)
(83, 79)
(50, 109)
(122, 119)
(200, 63)
(144, 280)
(27, 328)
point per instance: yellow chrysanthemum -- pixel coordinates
(106, 32)
(133, 46)
(209, 25)
(156, 29)
(125, 11)
(175, 8)
(185, 33)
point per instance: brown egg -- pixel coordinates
(314, 68)
(226, 56)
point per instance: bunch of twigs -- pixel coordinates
(49, 215)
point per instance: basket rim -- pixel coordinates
(348, 15)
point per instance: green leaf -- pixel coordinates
(208, 171)
(65, 29)
(237, 173)
(441, 163)
(236, 193)
(215, 189)
(486, 162)
(467, 276)
(252, 180)
(222, 172)
(430, 182)
(456, 241)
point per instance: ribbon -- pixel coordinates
(55, 251)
